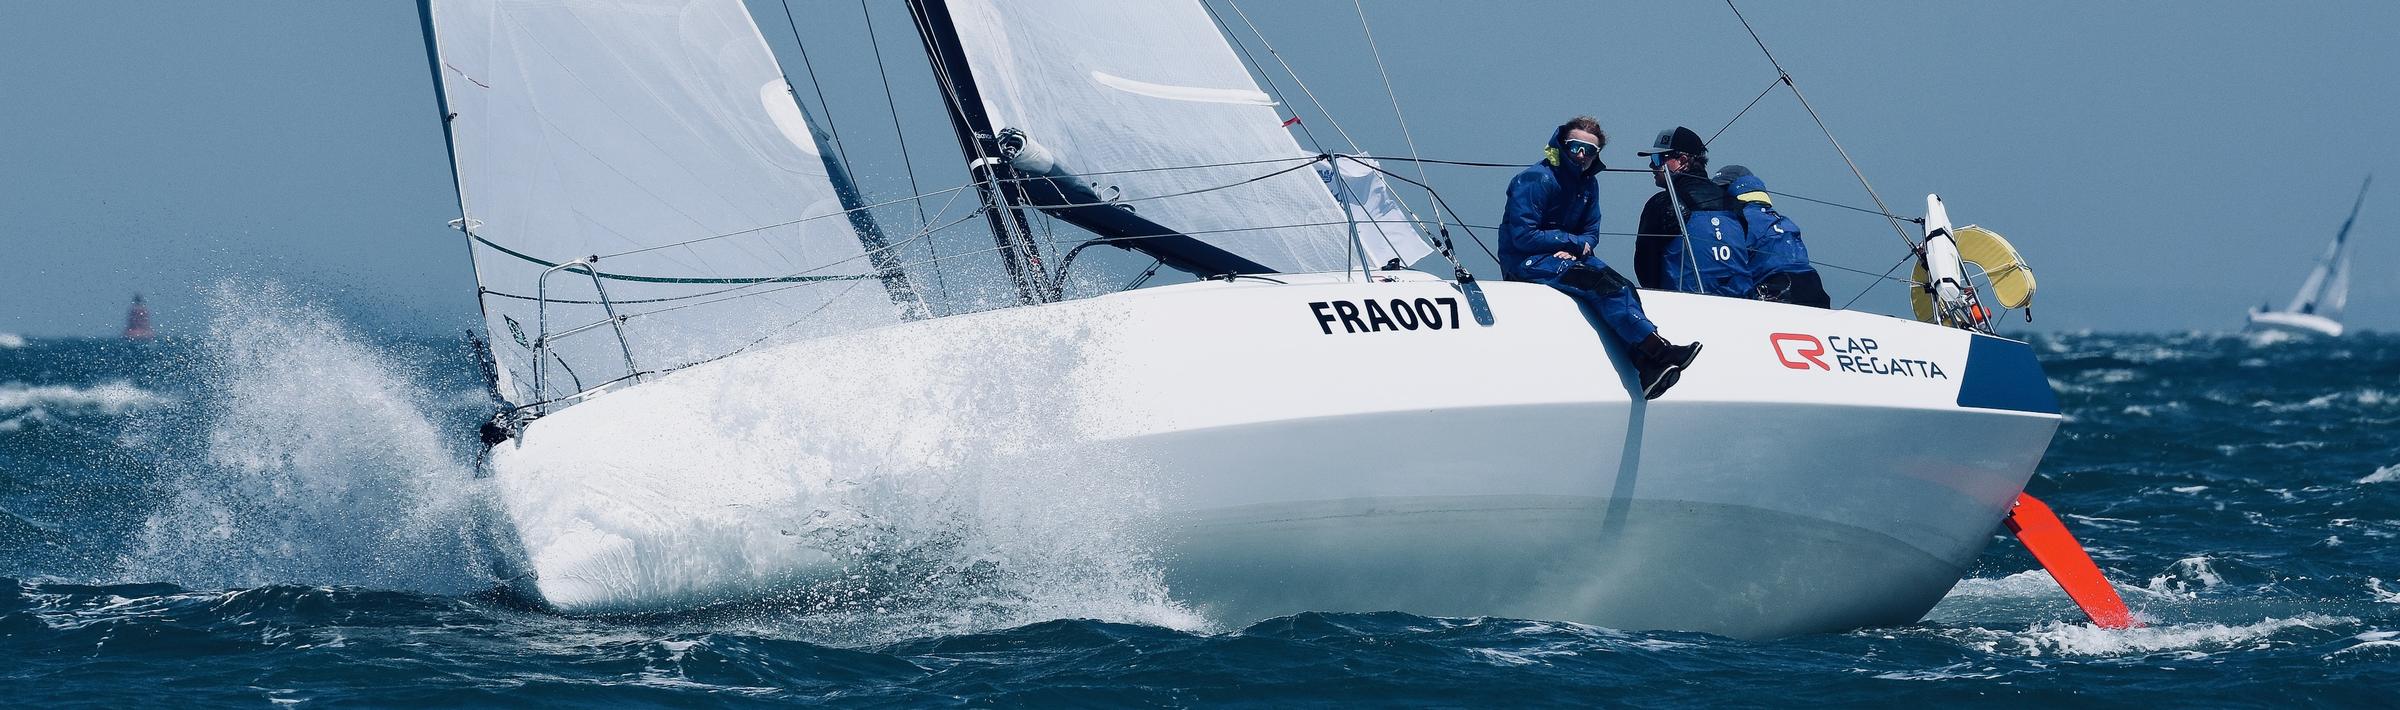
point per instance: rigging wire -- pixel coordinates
(1185, 193)
(1442, 204)
(1296, 80)
(1786, 78)
(1302, 160)
(1640, 171)
(822, 105)
(925, 233)
(762, 228)
(1377, 51)
(1887, 276)
(1252, 62)
(802, 277)
(1236, 163)
(1762, 94)
(1911, 220)
(932, 246)
(1312, 97)
(1146, 274)
(1388, 92)
(789, 286)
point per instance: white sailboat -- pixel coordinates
(725, 385)
(2317, 309)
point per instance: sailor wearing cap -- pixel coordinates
(1715, 261)
(1546, 236)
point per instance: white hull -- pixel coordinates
(2294, 323)
(1816, 470)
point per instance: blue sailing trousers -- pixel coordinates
(1601, 290)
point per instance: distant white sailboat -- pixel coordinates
(725, 385)
(2317, 308)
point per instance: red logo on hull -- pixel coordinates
(1799, 351)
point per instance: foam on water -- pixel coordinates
(108, 398)
(11, 341)
(2268, 338)
(2079, 639)
(317, 462)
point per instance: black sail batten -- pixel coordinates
(1068, 197)
(870, 233)
(1057, 193)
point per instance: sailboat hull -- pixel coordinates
(1293, 449)
(2294, 323)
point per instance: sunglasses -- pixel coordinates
(1659, 160)
(1580, 148)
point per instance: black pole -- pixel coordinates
(978, 143)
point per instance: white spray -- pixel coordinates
(321, 464)
(890, 484)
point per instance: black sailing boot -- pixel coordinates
(1661, 364)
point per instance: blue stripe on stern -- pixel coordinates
(2003, 374)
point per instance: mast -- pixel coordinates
(441, 102)
(976, 140)
(2337, 291)
(1012, 169)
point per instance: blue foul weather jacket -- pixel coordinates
(1552, 207)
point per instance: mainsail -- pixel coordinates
(660, 136)
(1144, 106)
(2327, 290)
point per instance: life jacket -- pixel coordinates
(1774, 242)
(1774, 239)
(1719, 242)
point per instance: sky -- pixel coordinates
(2163, 166)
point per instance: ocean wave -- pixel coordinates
(107, 398)
(2364, 397)
(31, 417)
(2376, 643)
(2268, 338)
(2071, 639)
(11, 341)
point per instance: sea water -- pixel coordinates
(285, 509)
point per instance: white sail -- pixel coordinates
(2337, 292)
(2313, 288)
(1106, 86)
(659, 135)
(1386, 231)
(2318, 295)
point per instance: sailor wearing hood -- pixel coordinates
(1779, 266)
(1547, 235)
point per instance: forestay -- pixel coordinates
(659, 135)
(1105, 86)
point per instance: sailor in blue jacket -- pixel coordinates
(1547, 234)
(1779, 267)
